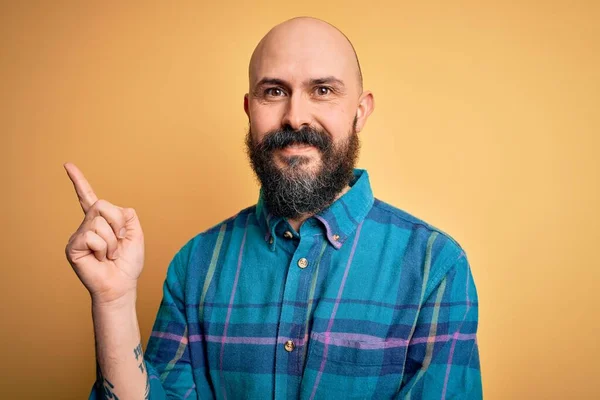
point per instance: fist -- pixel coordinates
(107, 250)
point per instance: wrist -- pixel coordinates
(124, 301)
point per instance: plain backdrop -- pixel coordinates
(492, 105)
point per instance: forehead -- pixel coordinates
(300, 56)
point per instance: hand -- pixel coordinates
(107, 250)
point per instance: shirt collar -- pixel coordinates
(339, 220)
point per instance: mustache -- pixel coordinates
(282, 138)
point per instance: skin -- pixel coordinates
(304, 72)
(107, 254)
(318, 85)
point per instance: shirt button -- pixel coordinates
(336, 237)
(288, 235)
(289, 345)
(303, 263)
(271, 240)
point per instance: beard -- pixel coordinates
(294, 189)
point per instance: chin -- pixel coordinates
(299, 163)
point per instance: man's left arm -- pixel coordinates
(443, 359)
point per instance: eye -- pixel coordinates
(323, 90)
(274, 92)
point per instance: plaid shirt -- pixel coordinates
(364, 302)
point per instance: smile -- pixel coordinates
(295, 149)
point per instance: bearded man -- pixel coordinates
(319, 291)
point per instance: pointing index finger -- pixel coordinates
(85, 193)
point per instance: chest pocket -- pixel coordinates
(352, 369)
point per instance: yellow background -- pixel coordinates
(486, 126)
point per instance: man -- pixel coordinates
(318, 291)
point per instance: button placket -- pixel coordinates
(293, 319)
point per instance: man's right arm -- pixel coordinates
(107, 254)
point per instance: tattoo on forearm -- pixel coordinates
(105, 385)
(139, 356)
(137, 352)
(108, 390)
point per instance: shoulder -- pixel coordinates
(420, 237)
(386, 213)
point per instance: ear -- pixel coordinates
(366, 105)
(246, 106)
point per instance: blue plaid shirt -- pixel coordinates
(365, 301)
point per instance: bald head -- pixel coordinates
(307, 47)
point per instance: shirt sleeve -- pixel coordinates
(443, 359)
(167, 354)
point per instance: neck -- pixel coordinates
(297, 222)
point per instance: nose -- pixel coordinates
(297, 113)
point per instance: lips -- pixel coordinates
(298, 149)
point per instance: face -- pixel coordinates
(320, 103)
(305, 107)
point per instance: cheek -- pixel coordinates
(264, 119)
(338, 124)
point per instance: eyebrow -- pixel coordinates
(271, 81)
(332, 80)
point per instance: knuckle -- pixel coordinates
(71, 240)
(98, 221)
(101, 203)
(90, 236)
(102, 245)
